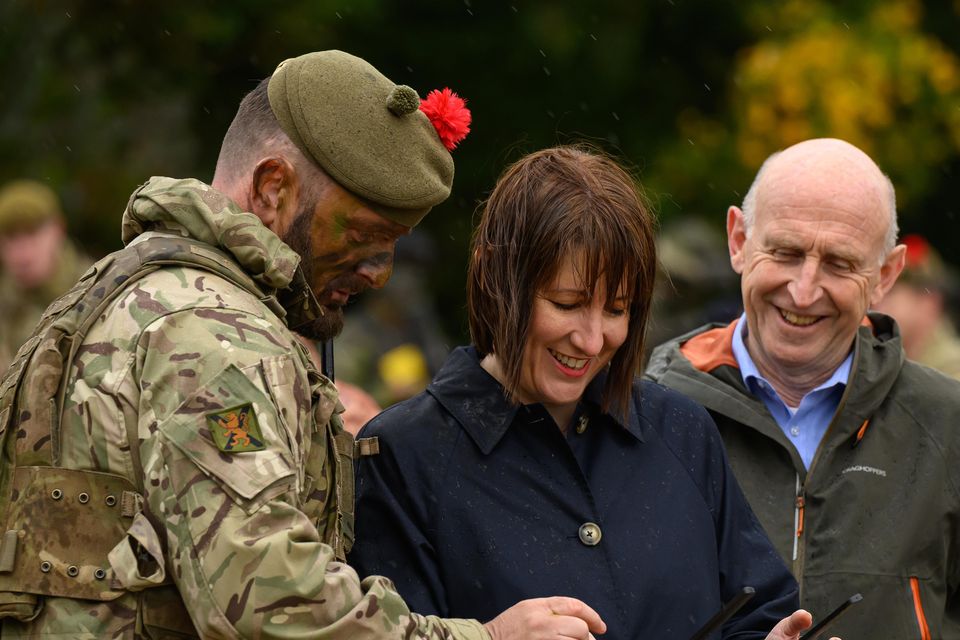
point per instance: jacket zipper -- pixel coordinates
(918, 609)
(798, 506)
(800, 500)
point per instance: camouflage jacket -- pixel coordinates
(237, 454)
(942, 351)
(20, 309)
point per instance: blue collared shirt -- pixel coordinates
(805, 425)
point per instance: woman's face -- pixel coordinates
(574, 333)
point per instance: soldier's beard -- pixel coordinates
(297, 237)
(326, 327)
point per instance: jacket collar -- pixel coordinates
(877, 360)
(477, 401)
(193, 209)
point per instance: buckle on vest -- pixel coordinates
(366, 447)
(8, 550)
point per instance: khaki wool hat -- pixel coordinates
(26, 204)
(364, 131)
(924, 267)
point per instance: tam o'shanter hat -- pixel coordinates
(375, 138)
(924, 267)
(26, 204)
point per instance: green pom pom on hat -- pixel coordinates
(403, 100)
(364, 131)
(26, 204)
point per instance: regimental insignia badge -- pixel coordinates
(236, 430)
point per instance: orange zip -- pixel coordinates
(800, 504)
(918, 609)
(861, 432)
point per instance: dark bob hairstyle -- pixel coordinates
(548, 205)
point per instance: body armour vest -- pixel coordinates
(100, 514)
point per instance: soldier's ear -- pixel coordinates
(273, 193)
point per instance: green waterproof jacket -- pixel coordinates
(878, 511)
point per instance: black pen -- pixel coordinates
(821, 626)
(724, 614)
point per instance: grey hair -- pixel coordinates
(749, 207)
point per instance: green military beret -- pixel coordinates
(364, 131)
(26, 204)
(924, 268)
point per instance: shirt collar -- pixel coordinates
(751, 374)
(477, 401)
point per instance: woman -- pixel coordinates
(536, 463)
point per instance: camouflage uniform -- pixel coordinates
(942, 351)
(20, 309)
(252, 529)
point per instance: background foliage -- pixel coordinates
(98, 96)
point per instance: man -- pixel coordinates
(847, 452)
(38, 262)
(188, 475)
(919, 303)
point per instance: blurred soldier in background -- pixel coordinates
(919, 302)
(39, 262)
(694, 282)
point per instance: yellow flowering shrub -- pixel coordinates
(877, 82)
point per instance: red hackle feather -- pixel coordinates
(917, 249)
(449, 114)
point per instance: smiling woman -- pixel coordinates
(536, 464)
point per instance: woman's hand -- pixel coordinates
(546, 619)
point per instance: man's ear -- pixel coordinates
(889, 272)
(274, 193)
(736, 237)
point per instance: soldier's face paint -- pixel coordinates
(574, 333)
(346, 247)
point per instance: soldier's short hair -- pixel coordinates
(552, 204)
(255, 130)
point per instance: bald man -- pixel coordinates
(847, 451)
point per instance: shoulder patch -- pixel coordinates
(236, 429)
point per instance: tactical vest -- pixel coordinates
(36, 492)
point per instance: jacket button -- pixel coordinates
(590, 534)
(582, 424)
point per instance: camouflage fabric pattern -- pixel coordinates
(20, 310)
(253, 541)
(943, 350)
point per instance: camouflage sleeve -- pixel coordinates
(223, 473)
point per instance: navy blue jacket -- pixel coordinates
(473, 504)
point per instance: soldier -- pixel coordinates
(919, 302)
(39, 262)
(197, 480)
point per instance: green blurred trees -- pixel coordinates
(865, 72)
(98, 96)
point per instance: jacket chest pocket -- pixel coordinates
(925, 599)
(290, 393)
(895, 607)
